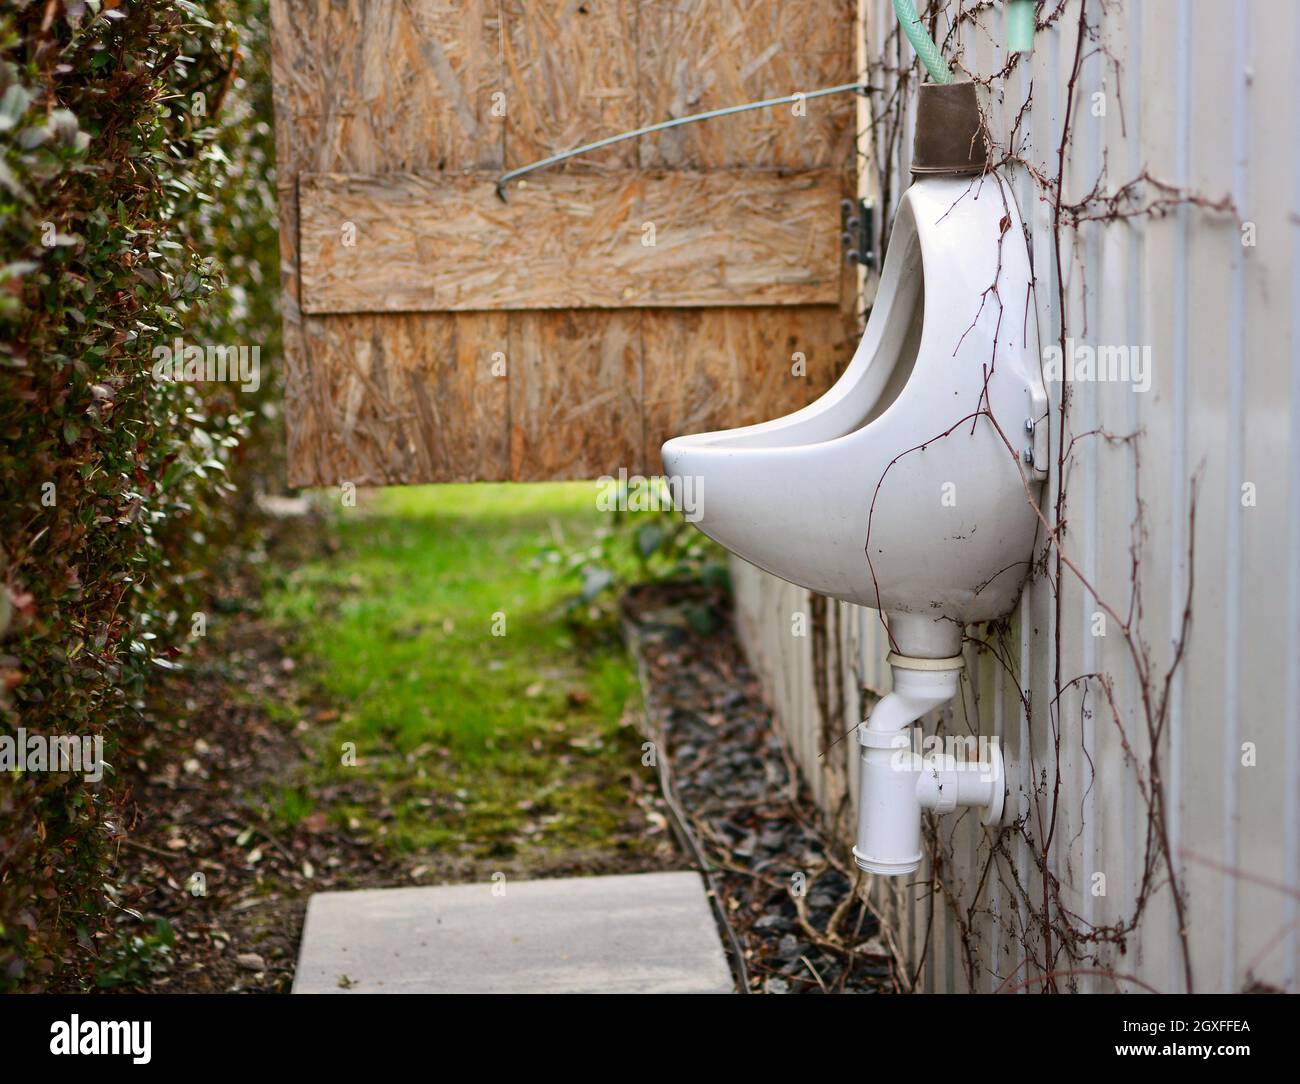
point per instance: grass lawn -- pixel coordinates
(485, 724)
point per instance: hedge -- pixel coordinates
(136, 207)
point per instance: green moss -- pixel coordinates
(484, 722)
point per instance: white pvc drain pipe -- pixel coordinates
(897, 783)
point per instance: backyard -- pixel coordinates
(410, 690)
(488, 725)
(781, 497)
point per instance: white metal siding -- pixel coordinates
(1207, 100)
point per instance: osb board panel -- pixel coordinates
(401, 242)
(383, 86)
(368, 86)
(570, 74)
(575, 394)
(577, 400)
(405, 398)
(711, 55)
(721, 368)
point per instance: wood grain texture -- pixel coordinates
(403, 399)
(449, 88)
(441, 243)
(374, 85)
(570, 73)
(711, 55)
(721, 368)
(371, 86)
(575, 394)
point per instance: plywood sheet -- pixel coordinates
(703, 56)
(390, 387)
(720, 368)
(400, 242)
(575, 394)
(370, 86)
(402, 399)
(569, 72)
(376, 85)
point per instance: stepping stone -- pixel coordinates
(643, 933)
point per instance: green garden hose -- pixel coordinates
(921, 41)
(1021, 19)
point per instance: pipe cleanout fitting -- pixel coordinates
(897, 782)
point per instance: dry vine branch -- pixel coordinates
(1144, 196)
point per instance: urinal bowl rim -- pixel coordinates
(920, 572)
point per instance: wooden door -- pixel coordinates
(682, 282)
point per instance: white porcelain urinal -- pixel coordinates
(896, 489)
(907, 487)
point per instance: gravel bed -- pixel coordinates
(783, 880)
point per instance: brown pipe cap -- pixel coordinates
(949, 138)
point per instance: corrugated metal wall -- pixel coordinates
(1203, 98)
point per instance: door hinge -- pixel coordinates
(858, 231)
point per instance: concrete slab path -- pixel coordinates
(631, 933)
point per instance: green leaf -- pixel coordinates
(595, 580)
(648, 538)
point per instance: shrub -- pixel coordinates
(134, 163)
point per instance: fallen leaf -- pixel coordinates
(315, 823)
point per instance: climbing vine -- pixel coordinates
(1058, 944)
